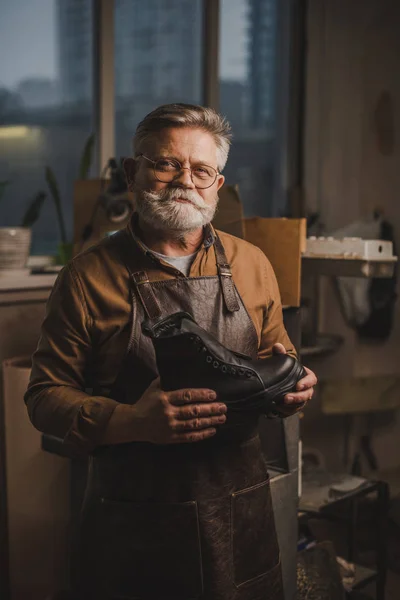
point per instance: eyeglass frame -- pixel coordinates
(180, 172)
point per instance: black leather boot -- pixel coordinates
(189, 357)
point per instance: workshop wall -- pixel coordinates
(352, 167)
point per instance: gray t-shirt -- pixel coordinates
(182, 263)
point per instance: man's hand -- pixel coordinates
(188, 415)
(305, 387)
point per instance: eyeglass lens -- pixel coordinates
(168, 170)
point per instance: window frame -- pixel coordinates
(289, 164)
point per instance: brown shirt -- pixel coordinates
(86, 330)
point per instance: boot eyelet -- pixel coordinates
(209, 359)
(241, 371)
(224, 369)
(233, 371)
(215, 364)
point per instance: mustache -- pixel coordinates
(169, 195)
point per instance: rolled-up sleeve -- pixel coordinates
(56, 399)
(273, 328)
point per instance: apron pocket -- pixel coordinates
(254, 544)
(136, 550)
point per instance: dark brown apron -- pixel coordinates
(182, 521)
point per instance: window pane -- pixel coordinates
(157, 59)
(251, 81)
(45, 107)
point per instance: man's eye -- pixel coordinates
(202, 171)
(166, 165)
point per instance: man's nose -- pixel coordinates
(184, 179)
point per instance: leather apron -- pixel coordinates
(179, 521)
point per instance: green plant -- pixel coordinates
(32, 213)
(55, 194)
(65, 249)
(86, 158)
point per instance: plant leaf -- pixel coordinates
(86, 159)
(53, 187)
(32, 213)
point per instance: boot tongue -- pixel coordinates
(167, 326)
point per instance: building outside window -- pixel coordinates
(174, 59)
(249, 85)
(45, 106)
(46, 92)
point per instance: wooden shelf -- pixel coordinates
(348, 267)
(325, 344)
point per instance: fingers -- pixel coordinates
(194, 411)
(197, 424)
(278, 349)
(299, 397)
(190, 396)
(195, 430)
(192, 417)
(309, 381)
(195, 436)
(305, 389)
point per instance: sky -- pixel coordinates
(28, 40)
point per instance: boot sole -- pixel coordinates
(266, 400)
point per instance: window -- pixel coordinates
(249, 87)
(46, 92)
(166, 68)
(45, 106)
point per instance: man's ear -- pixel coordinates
(129, 166)
(220, 182)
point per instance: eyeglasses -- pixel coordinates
(169, 169)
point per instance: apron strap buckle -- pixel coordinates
(225, 276)
(228, 288)
(146, 294)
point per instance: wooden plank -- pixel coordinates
(37, 496)
(282, 241)
(229, 215)
(348, 267)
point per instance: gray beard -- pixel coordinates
(161, 211)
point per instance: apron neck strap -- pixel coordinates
(146, 294)
(139, 279)
(144, 288)
(225, 276)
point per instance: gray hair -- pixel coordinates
(186, 115)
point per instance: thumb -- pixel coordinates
(278, 349)
(155, 384)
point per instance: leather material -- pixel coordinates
(147, 297)
(140, 545)
(225, 274)
(190, 357)
(92, 298)
(190, 508)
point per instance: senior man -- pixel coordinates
(173, 510)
